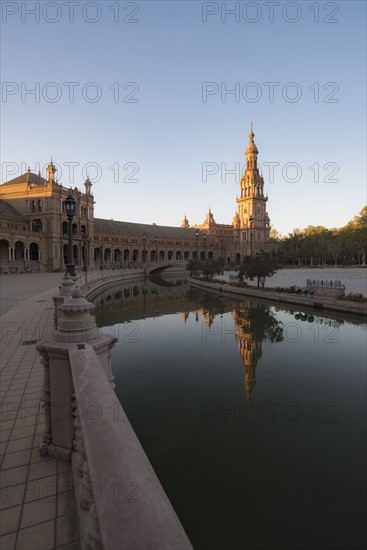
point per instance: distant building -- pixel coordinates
(33, 231)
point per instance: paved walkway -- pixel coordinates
(37, 505)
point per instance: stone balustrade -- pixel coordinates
(128, 508)
(121, 503)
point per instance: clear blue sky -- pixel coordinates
(169, 132)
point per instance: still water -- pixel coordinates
(252, 416)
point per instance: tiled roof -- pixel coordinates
(27, 177)
(9, 211)
(138, 229)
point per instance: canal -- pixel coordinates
(252, 415)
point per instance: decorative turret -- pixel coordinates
(185, 222)
(236, 222)
(88, 186)
(51, 169)
(209, 220)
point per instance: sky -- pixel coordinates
(153, 100)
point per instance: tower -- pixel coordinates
(88, 186)
(252, 220)
(51, 169)
(185, 222)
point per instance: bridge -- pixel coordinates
(154, 268)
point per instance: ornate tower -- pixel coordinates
(252, 221)
(51, 169)
(185, 222)
(88, 186)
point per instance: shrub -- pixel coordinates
(354, 297)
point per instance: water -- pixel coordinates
(252, 416)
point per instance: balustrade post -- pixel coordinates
(67, 287)
(46, 400)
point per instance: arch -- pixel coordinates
(75, 229)
(194, 254)
(34, 252)
(126, 292)
(4, 250)
(126, 255)
(210, 255)
(170, 255)
(107, 255)
(76, 254)
(186, 255)
(238, 258)
(97, 255)
(117, 255)
(153, 256)
(135, 255)
(135, 291)
(19, 250)
(202, 256)
(83, 229)
(65, 229)
(161, 255)
(36, 226)
(178, 255)
(65, 253)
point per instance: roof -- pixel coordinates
(27, 177)
(9, 211)
(138, 229)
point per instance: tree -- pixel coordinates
(262, 266)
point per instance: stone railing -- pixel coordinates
(128, 508)
(121, 503)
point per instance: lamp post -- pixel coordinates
(156, 248)
(144, 239)
(197, 244)
(251, 219)
(70, 212)
(204, 237)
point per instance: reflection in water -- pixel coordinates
(254, 323)
(249, 413)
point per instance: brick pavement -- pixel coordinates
(37, 505)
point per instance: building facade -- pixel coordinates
(33, 231)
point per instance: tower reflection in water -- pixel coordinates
(254, 324)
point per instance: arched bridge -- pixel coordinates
(151, 268)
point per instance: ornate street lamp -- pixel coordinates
(70, 204)
(144, 255)
(156, 248)
(204, 237)
(197, 243)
